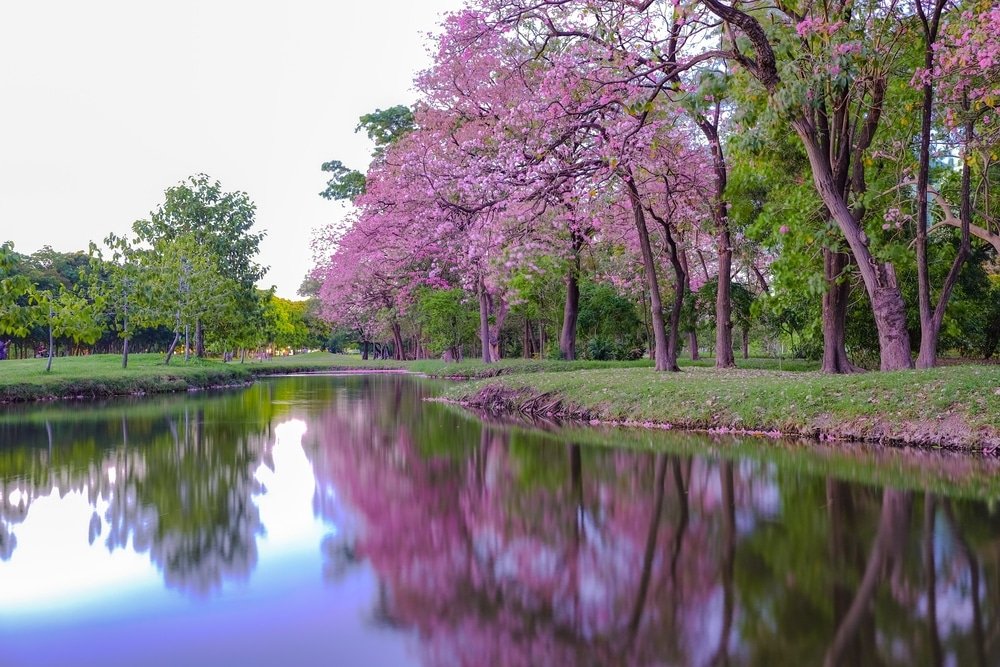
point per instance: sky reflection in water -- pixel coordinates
(346, 521)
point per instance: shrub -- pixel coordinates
(600, 349)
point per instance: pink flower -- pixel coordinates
(783, 229)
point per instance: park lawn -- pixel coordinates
(101, 375)
(474, 369)
(956, 407)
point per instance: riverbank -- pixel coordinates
(955, 408)
(476, 370)
(101, 375)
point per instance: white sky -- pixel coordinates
(105, 104)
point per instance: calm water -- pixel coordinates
(345, 521)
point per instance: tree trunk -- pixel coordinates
(173, 346)
(931, 321)
(693, 331)
(723, 244)
(660, 359)
(884, 294)
(364, 350)
(835, 314)
(125, 337)
(724, 304)
(199, 339)
(646, 329)
(484, 321)
(48, 366)
(567, 339)
(187, 343)
(397, 341)
(499, 312)
(680, 282)
(927, 357)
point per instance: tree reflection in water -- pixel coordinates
(178, 485)
(506, 547)
(498, 545)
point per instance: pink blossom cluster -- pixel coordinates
(517, 157)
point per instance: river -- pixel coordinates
(345, 520)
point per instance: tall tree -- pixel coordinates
(221, 222)
(120, 288)
(834, 114)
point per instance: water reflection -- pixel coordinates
(506, 547)
(479, 544)
(178, 487)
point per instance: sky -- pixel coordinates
(105, 104)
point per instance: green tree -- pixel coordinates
(15, 318)
(67, 314)
(222, 224)
(285, 322)
(120, 288)
(187, 287)
(345, 183)
(384, 127)
(609, 321)
(446, 319)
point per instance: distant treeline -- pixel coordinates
(184, 282)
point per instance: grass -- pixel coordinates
(479, 370)
(102, 375)
(957, 407)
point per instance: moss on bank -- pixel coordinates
(956, 407)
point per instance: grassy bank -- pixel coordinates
(471, 370)
(952, 474)
(956, 407)
(101, 375)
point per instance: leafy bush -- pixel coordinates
(627, 352)
(600, 349)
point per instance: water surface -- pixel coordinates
(344, 520)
